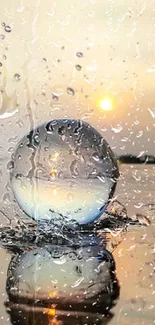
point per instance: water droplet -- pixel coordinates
(117, 129)
(74, 168)
(8, 187)
(36, 139)
(4, 57)
(20, 123)
(6, 199)
(69, 125)
(79, 54)
(55, 97)
(61, 130)
(70, 91)
(2, 37)
(49, 127)
(0, 64)
(10, 165)
(11, 149)
(140, 133)
(13, 139)
(95, 156)
(78, 67)
(17, 76)
(102, 179)
(7, 29)
(60, 175)
(3, 24)
(151, 113)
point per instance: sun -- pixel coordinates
(106, 104)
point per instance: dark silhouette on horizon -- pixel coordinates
(131, 159)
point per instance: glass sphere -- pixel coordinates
(64, 170)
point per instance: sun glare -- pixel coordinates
(106, 104)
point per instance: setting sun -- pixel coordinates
(106, 104)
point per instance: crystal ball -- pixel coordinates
(64, 170)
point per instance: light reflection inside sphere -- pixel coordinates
(64, 169)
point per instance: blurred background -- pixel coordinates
(92, 60)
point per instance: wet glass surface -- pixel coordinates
(89, 61)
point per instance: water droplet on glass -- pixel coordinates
(6, 199)
(61, 130)
(152, 113)
(140, 133)
(117, 129)
(7, 29)
(36, 139)
(0, 64)
(78, 67)
(50, 189)
(79, 54)
(49, 127)
(95, 156)
(11, 149)
(10, 165)
(70, 91)
(2, 37)
(20, 123)
(17, 76)
(74, 168)
(3, 24)
(55, 98)
(8, 187)
(4, 57)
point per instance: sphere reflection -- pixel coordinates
(50, 316)
(81, 277)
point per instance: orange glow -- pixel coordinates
(53, 172)
(50, 311)
(52, 294)
(54, 321)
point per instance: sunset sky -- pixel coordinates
(117, 42)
